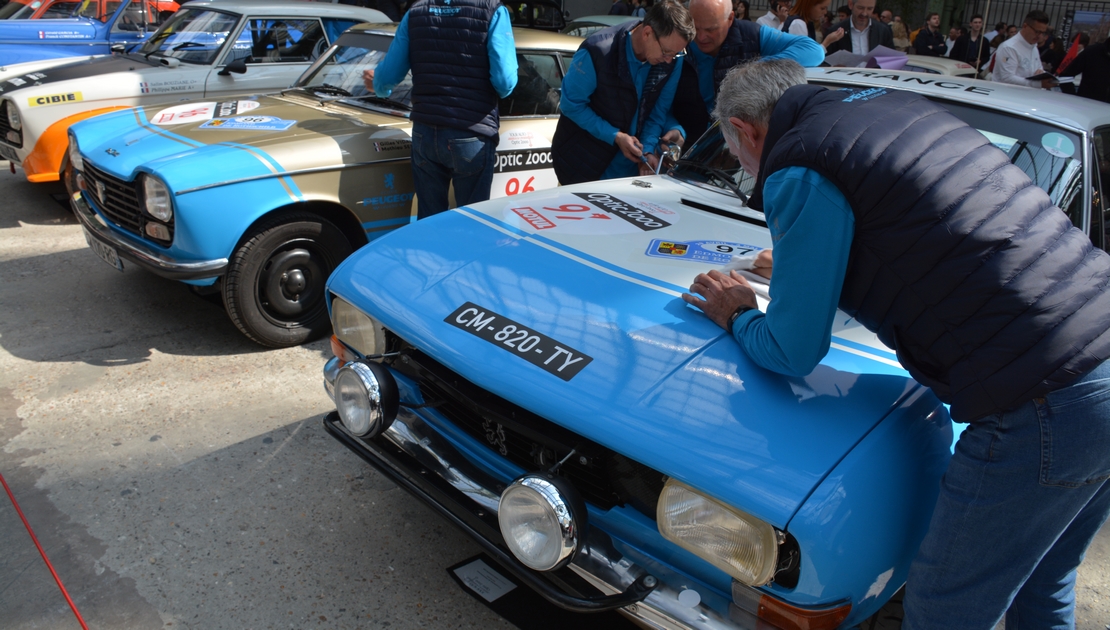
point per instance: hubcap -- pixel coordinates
(291, 282)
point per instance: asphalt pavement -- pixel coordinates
(178, 477)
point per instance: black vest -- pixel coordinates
(959, 262)
(690, 109)
(579, 156)
(450, 65)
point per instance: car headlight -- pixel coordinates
(737, 543)
(356, 329)
(75, 158)
(157, 199)
(542, 520)
(14, 119)
(366, 397)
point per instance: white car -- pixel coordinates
(207, 50)
(939, 65)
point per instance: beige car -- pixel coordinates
(260, 198)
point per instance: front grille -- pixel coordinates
(117, 200)
(6, 126)
(604, 478)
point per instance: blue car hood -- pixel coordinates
(601, 274)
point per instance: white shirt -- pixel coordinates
(949, 42)
(770, 21)
(799, 27)
(860, 45)
(1015, 60)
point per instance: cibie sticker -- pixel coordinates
(591, 213)
(55, 99)
(249, 123)
(196, 112)
(1058, 144)
(711, 252)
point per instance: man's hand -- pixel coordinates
(763, 263)
(630, 146)
(368, 80)
(673, 137)
(1048, 84)
(723, 295)
(648, 168)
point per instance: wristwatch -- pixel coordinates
(740, 310)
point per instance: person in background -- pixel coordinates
(620, 7)
(776, 16)
(886, 17)
(617, 94)
(1052, 57)
(1094, 64)
(954, 33)
(804, 19)
(929, 40)
(943, 248)
(720, 44)
(972, 47)
(1017, 58)
(463, 60)
(998, 29)
(741, 10)
(862, 31)
(638, 8)
(900, 37)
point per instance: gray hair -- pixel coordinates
(750, 92)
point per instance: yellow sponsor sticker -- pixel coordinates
(55, 99)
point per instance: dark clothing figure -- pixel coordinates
(620, 7)
(878, 34)
(929, 43)
(973, 51)
(1094, 64)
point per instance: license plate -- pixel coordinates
(107, 253)
(8, 153)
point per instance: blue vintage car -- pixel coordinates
(80, 35)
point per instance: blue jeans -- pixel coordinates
(442, 155)
(1024, 495)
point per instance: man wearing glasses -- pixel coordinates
(1018, 59)
(617, 96)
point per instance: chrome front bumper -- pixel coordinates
(420, 460)
(146, 257)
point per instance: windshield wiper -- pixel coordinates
(725, 178)
(383, 101)
(326, 88)
(186, 45)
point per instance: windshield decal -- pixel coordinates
(554, 357)
(1058, 144)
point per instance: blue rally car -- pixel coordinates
(84, 33)
(526, 366)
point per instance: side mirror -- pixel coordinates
(118, 49)
(239, 66)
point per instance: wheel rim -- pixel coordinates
(291, 283)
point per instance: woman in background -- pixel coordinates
(740, 8)
(805, 20)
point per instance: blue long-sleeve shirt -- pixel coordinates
(500, 46)
(812, 227)
(772, 45)
(581, 82)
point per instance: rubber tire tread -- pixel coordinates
(239, 293)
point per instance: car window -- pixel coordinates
(192, 36)
(339, 74)
(1100, 218)
(281, 40)
(19, 10)
(583, 30)
(913, 68)
(64, 9)
(138, 16)
(539, 80)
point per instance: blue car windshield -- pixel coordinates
(192, 36)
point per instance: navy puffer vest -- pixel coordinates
(577, 155)
(959, 262)
(450, 66)
(689, 109)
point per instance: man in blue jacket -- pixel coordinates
(617, 95)
(721, 43)
(463, 59)
(886, 206)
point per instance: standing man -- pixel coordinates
(972, 47)
(620, 7)
(987, 293)
(862, 32)
(617, 95)
(722, 42)
(463, 59)
(929, 41)
(1094, 64)
(775, 17)
(886, 17)
(1017, 58)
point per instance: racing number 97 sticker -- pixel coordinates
(536, 348)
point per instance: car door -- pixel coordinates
(277, 50)
(528, 118)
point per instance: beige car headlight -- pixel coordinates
(357, 329)
(737, 543)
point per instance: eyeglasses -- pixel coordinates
(667, 55)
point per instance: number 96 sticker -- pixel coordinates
(712, 252)
(536, 348)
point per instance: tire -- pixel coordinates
(889, 617)
(274, 287)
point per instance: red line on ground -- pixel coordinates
(42, 552)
